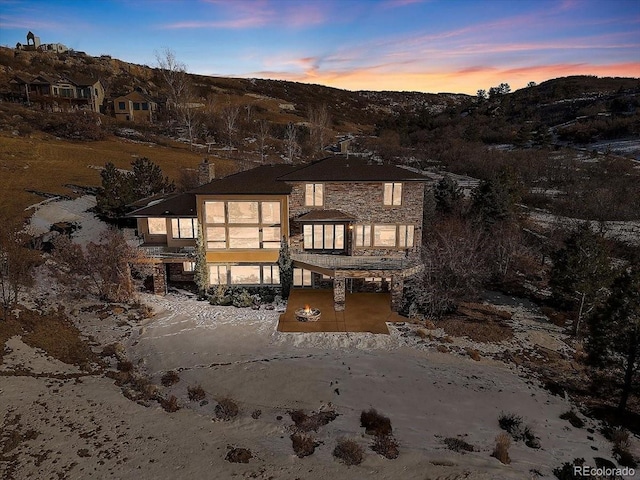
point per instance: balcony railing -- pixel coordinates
(162, 251)
(364, 262)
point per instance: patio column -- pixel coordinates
(160, 279)
(338, 293)
(397, 287)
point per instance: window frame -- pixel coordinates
(394, 197)
(318, 239)
(311, 191)
(178, 231)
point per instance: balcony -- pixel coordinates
(162, 251)
(363, 263)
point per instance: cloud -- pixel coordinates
(29, 23)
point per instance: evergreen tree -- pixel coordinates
(448, 195)
(116, 191)
(201, 274)
(286, 268)
(490, 203)
(581, 268)
(148, 180)
(614, 330)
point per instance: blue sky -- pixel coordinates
(424, 45)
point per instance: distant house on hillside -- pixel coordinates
(351, 225)
(134, 107)
(62, 93)
(34, 45)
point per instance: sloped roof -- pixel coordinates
(257, 181)
(176, 205)
(342, 168)
(325, 216)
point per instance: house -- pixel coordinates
(65, 92)
(351, 224)
(34, 45)
(134, 107)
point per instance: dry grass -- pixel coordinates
(387, 446)
(196, 393)
(501, 450)
(474, 354)
(303, 444)
(170, 378)
(457, 444)
(170, 404)
(307, 423)
(572, 418)
(478, 330)
(348, 452)
(238, 455)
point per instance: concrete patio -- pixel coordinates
(364, 312)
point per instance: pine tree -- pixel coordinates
(448, 195)
(116, 191)
(490, 203)
(614, 330)
(286, 268)
(148, 180)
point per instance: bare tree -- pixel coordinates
(174, 74)
(102, 269)
(16, 265)
(263, 130)
(230, 118)
(319, 121)
(291, 145)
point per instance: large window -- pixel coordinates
(245, 274)
(405, 235)
(157, 226)
(324, 237)
(362, 234)
(242, 224)
(218, 274)
(314, 194)
(270, 274)
(392, 236)
(184, 227)
(392, 194)
(188, 267)
(384, 235)
(301, 278)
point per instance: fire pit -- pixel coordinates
(307, 314)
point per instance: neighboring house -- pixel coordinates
(134, 107)
(33, 44)
(350, 224)
(64, 91)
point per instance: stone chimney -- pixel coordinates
(206, 172)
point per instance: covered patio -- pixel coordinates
(364, 312)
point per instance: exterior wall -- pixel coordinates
(128, 113)
(143, 231)
(365, 202)
(177, 274)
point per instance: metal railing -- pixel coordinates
(364, 262)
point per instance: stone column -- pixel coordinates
(160, 279)
(338, 293)
(397, 287)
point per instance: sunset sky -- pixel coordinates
(425, 45)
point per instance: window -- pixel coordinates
(243, 212)
(121, 106)
(188, 267)
(244, 237)
(136, 106)
(392, 194)
(245, 274)
(362, 235)
(384, 235)
(55, 90)
(157, 226)
(324, 237)
(270, 274)
(270, 212)
(405, 236)
(145, 106)
(271, 237)
(216, 237)
(301, 277)
(314, 194)
(184, 227)
(214, 212)
(218, 274)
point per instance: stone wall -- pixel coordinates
(177, 274)
(160, 279)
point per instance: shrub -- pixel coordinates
(386, 445)
(572, 418)
(170, 404)
(349, 452)
(308, 423)
(530, 439)
(501, 450)
(196, 393)
(220, 295)
(170, 378)
(512, 424)
(256, 414)
(621, 448)
(303, 444)
(226, 409)
(238, 455)
(125, 366)
(566, 472)
(474, 354)
(375, 423)
(457, 444)
(241, 298)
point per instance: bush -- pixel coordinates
(513, 425)
(308, 423)
(349, 452)
(226, 409)
(375, 423)
(566, 472)
(196, 393)
(501, 450)
(220, 295)
(457, 444)
(622, 448)
(238, 455)
(170, 378)
(572, 418)
(386, 445)
(303, 444)
(170, 404)
(241, 298)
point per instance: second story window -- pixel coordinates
(314, 195)
(392, 194)
(184, 227)
(121, 106)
